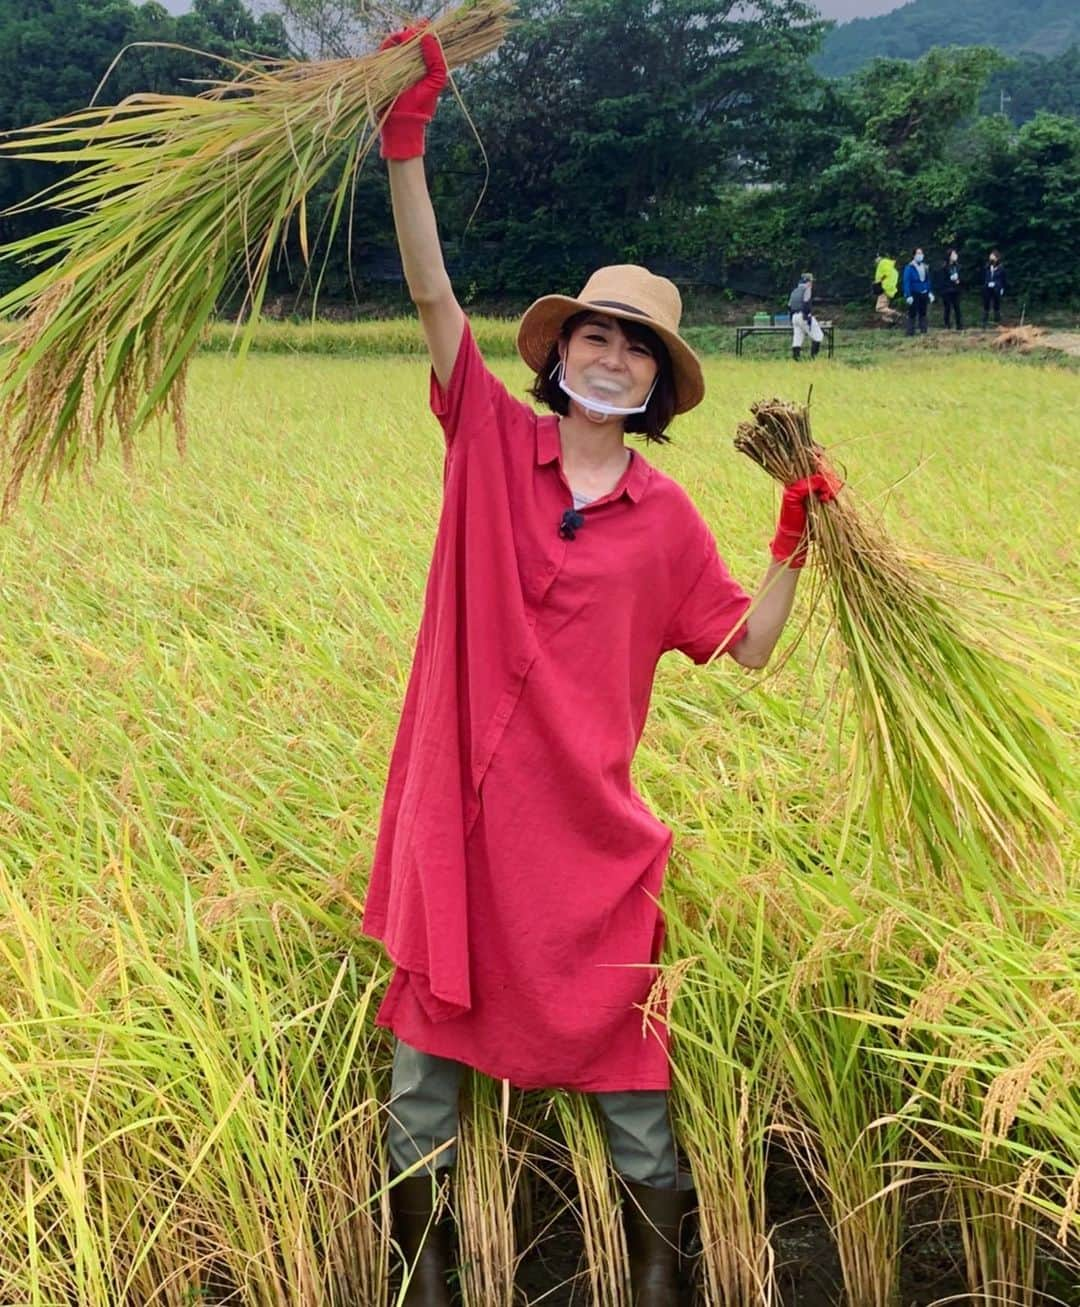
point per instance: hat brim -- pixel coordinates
(543, 321)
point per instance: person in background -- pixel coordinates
(803, 322)
(993, 287)
(950, 289)
(917, 293)
(886, 284)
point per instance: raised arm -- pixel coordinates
(425, 271)
(414, 217)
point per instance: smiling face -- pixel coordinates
(602, 362)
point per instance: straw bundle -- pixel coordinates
(1022, 338)
(176, 200)
(954, 741)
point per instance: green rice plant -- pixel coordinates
(179, 199)
(958, 745)
(496, 338)
(143, 1176)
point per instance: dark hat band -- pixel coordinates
(623, 308)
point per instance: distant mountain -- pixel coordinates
(1044, 27)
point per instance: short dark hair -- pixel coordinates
(653, 423)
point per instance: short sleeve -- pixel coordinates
(474, 400)
(712, 616)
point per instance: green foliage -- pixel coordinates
(1039, 27)
(688, 134)
(1024, 86)
(653, 106)
(1038, 169)
(894, 170)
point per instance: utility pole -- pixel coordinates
(1003, 99)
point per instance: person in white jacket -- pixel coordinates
(803, 322)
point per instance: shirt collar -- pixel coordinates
(549, 450)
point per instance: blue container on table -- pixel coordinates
(781, 319)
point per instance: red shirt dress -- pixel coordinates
(517, 870)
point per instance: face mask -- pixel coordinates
(596, 406)
(918, 258)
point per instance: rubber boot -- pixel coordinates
(652, 1219)
(796, 352)
(422, 1233)
(815, 348)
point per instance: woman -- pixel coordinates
(917, 292)
(993, 288)
(516, 870)
(950, 289)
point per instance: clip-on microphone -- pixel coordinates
(571, 522)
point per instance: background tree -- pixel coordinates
(614, 124)
(329, 29)
(690, 134)
(64, 49)
(1032, 82)
(1024, 197)
(897, 167)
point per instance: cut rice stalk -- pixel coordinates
(956, 743)
(177, 200)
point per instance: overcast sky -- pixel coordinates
(843, 9)
(830, 8)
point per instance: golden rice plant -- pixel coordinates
(175, 201)
(956, 742)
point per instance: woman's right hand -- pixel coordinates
(404, 127)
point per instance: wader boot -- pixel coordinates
(815, 348)
(796, 351)
(422, 1232)
(653, 1219)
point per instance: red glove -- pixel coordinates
(789, 543)
(404, 126)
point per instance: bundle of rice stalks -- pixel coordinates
(1022, 338)
(956, 745)
(177, 200)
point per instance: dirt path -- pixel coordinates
(1066, 341)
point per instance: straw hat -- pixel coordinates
(623, 291)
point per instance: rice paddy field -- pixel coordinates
(877, 1062)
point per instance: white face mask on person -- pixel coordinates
(599, 407)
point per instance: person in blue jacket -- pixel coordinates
(993, 289)
(917, 293)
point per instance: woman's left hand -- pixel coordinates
(789, 543)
